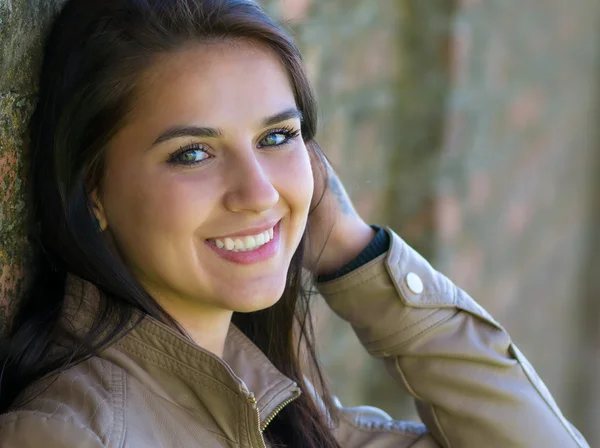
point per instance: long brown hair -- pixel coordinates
(94, 53)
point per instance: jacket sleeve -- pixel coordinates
(472, 385)
(30, 429)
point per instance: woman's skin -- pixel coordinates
(212, 149)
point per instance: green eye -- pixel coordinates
(279, 137)
(274, 139)
(193, 155)
(189, 156)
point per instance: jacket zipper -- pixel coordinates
(277, 410)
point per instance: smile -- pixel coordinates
(244, 243)
(248, 249)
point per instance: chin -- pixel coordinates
(248, 301)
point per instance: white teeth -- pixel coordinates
(245, 243)
(249, 242)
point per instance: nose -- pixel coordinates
(250, 189)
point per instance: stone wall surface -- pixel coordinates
(21, 25)
(468, 126)
(518, 187)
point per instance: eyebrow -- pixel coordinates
(287, 114)
(198, 131)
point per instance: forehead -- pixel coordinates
(214, 84)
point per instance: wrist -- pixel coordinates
(344, 245)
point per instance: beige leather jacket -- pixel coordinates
(154, 388)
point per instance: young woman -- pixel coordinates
(178, 196)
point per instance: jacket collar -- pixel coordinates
(173, 366)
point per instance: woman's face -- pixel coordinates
(206, 190)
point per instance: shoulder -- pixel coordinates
(83, 404)
(25, 428)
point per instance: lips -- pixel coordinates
(241, 252)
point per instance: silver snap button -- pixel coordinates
(414, 283)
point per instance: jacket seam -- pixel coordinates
(108, 399)
(439, 425)
(412, 391)
(531, 377)
(176, 365)
(428, 328)
(24, 414)
(350, 276)
(422, 437)
(189, 351)
(172, 362)
(183, 408)
(255, 355)
(391, 335)
(419, 334)
(153, 392)
(274, 396)
(118, 405)
(239, 427)
(180, 344)
(248, 433)
(220, 387)
(351, 286)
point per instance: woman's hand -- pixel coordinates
(337, 234)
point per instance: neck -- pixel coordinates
(207, 326)
(208, 330)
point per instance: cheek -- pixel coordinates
(295, 181)
(142, 204)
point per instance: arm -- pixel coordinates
(472, 386)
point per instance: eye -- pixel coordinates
(189, 155)
(278, 137)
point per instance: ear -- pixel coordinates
(99, 210)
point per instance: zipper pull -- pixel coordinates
(244, 389)
(252, 400)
